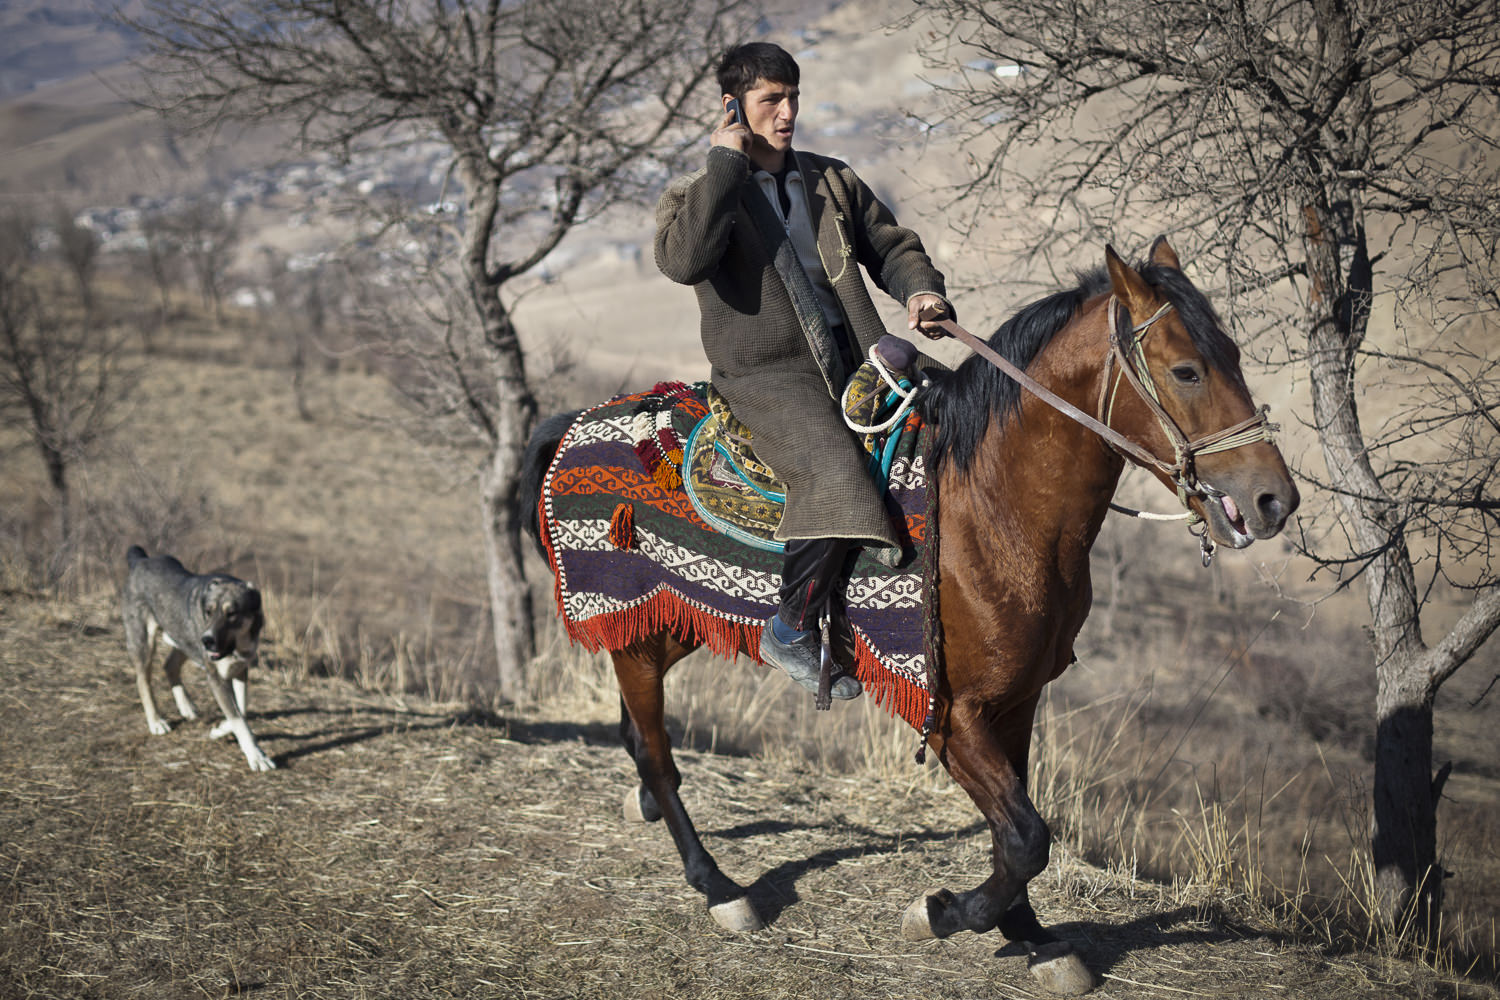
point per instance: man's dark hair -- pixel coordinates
(742, 65)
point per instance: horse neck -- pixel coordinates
(1040, 482)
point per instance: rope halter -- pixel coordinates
(1127, 347)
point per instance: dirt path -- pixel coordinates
(406, 850)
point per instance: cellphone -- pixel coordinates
(733, 107)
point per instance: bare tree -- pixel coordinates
(207, 234)
(294, 315)
(160, 258)
(1328, 157)
(78, 246)
(305, 299)
(61, 373)
(550, 110)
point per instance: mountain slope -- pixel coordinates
(416, 850)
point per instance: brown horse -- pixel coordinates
(1023, 492)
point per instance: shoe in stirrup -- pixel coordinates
(802, 659)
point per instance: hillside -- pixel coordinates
(412, 845)
(411, 849)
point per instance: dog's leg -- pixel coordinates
(140, 639)
(237, 681)
(173, 669)
(235, 723)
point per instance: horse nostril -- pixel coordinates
(1272, 509)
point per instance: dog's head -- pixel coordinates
(233, 620)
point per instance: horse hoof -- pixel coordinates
(640, 807)
(916, 922)
(737, 916)
(1059, 970)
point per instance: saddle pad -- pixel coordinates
(726, 485)
(631, 557)
(734, 492)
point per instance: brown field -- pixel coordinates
(1205, 765)
(408, 848)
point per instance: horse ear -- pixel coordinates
(1163, 255)
(1128, 286)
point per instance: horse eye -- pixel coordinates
(1187, 375)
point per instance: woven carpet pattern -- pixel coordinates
(631, 557)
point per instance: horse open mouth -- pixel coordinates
(1231, 519)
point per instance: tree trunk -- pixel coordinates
(1404, 821)
(1408, 881)
(510, 594)
(57, 475)
(508, 424)
(299, 375)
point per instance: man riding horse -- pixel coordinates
(771, 240)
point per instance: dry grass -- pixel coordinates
(414, 849)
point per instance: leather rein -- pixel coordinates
(1128, 353)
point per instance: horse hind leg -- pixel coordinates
(640, 670)
(640, 805)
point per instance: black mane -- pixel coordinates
(961, 403)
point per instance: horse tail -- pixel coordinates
(538, 456)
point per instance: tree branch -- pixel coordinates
(1464, 638)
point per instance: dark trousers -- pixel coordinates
(807, 576)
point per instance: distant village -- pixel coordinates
(302, 193)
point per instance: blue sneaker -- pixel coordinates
(802, 660)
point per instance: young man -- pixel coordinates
(772, 241)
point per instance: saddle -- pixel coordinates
(738, 494)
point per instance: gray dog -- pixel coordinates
(212, 619)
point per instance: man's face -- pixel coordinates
(771, 113)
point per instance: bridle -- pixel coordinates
(1127, 353)
(1127, 348)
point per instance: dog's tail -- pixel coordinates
(534, 463)
(133, 555)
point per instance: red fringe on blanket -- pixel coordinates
(663, 611)
(894, 693)
(666, 610)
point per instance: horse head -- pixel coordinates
(1191, 402)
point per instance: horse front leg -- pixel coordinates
(988, 758)
(1019, 839)
(640, 670)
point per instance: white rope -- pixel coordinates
(1146, 515)
(885, 374)
(908, 398)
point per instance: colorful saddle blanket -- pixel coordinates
(632, 557)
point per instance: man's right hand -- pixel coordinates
(923, 311)
(732, 134)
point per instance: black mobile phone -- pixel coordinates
(733, 107)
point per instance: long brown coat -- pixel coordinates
(767, 341)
